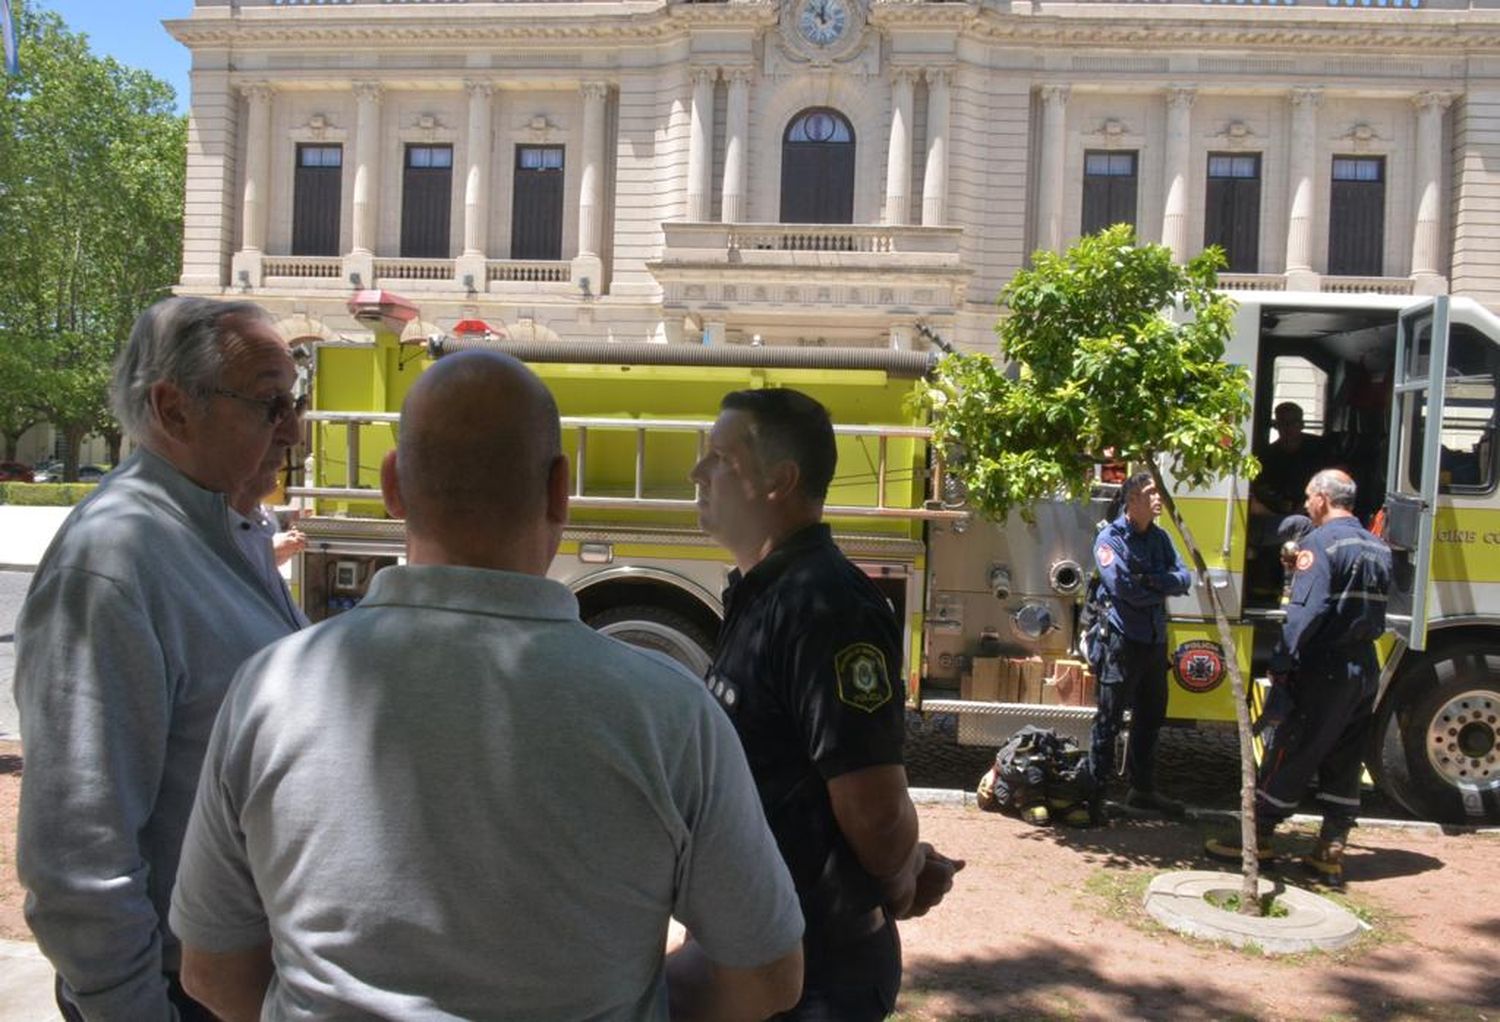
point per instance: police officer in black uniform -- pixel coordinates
(1324, 674)
(809, 669)
(1138, 569)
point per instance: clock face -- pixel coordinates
(823, 22)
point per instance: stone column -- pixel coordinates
(1426, 271)
(898, 158)
(366, 172)
(1174, 221)
(591, 187)
(1050, 184)
(477, 180)
(736, 138)
(1303, 165)
(700, 143)
(935, 176)
(246, 265)
(470, 271)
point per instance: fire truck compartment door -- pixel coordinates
(1412, 463)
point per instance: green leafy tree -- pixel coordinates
(92, 160)
(1110, 351)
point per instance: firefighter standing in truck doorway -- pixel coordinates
(1324, 674)
(1138, 569)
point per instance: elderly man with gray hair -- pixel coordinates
(1324, 675)
(154, 591)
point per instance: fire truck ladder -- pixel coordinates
(932, 507)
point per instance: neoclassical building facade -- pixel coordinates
(862, 172)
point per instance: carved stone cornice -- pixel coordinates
(1421, 32)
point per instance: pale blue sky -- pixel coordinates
(131, 32)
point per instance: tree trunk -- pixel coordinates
(1250, 865)
(12, 441)
(72, 440)
(112, 440)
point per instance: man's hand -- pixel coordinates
(934, 880)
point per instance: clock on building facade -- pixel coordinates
(823, 29)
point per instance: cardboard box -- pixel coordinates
(1050, 693)
(986, 675)
(1031, 680)
(1068, 676)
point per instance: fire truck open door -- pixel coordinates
(1413, 463)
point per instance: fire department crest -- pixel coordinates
(863, 681)
(1199, 665)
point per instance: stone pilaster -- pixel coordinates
(1178, 151)
(898, 158)
(246, 268)
(1302, 167)
(935, 174)
(700, 143)
(1426, 271)
(1050, 184)
(736, 138)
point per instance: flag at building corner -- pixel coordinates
(8, 29)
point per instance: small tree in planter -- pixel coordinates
(1097, 367)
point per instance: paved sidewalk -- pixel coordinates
(25, 984)
(25, 533)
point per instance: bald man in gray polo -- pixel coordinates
(457, 800)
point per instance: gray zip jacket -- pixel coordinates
(139, 614)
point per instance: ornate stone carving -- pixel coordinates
(1236, 135)
(1181, 98)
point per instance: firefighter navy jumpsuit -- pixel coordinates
(1138, 570)
(1326, 659)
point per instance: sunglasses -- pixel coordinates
(278, 408)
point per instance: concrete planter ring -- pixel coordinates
(1180, 902)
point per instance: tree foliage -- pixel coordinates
(1111, 350)
(92, 162)
(1096, 364)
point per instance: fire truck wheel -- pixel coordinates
(665, 631)
(1438, 738)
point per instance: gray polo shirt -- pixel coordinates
(458, 801)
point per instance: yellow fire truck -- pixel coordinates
(1403, 393)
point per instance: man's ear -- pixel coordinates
(558, 480)
(782, 480)
(390, 486)
(170, 408)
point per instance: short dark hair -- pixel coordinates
(1136, 484)
(787, 425)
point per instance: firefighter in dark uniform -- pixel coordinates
(1324, 674)
(1138, 569)
(809, 669)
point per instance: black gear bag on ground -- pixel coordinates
(1039, 775)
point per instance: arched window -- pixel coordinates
(817, 169)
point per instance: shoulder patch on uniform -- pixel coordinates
(1305, 559)
(1105, 555)
(863, 681)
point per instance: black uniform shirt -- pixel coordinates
(809, 669)
(1337, 610)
